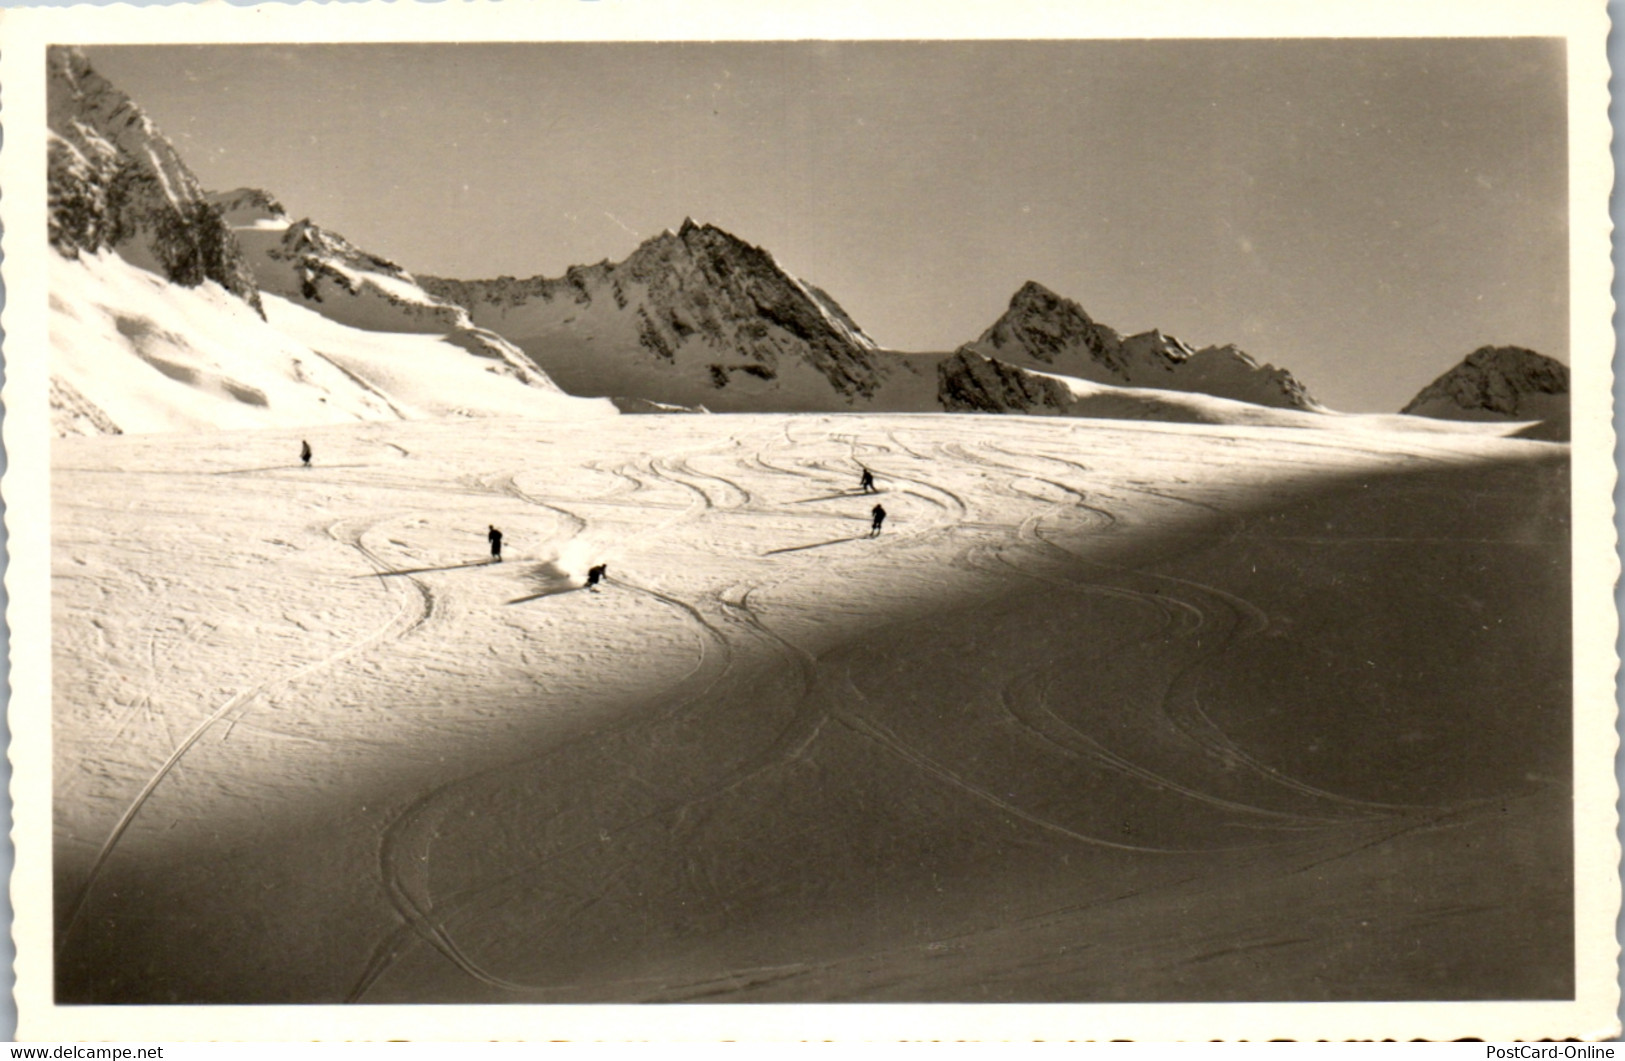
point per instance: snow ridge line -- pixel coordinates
(364, 385)
(203, 727)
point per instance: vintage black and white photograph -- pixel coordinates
(971, 521)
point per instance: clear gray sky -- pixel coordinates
(1364, 213)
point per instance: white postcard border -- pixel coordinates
(24, 33)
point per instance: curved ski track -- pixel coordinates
(413, 612)
(1032, 552)
(406, 851)
(1239, 619)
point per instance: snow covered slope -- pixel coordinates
(1501, 384)
(1042, 330)
(327, 274)
(695, 317)
(158, 322)
(1110, 711)
(132, 352)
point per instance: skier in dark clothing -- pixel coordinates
(879, 515)
(304, 453)
(867, 483)
(596, 575)
(494, 536)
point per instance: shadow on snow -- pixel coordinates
(815, 545)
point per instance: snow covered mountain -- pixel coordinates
(1043, 331)
(132, 353)
(172, 311)
(327, 274)
(970, 382)
(700, 318)
(299, 260)
(116, 183)
(1502, 383)
(967, 382)
(692, 317)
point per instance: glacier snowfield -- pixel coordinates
(1109, 711)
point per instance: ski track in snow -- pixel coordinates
(950, 500)
(404, 855)
(428, 919)
(1236, 619)
(414, 611)
(400, 857)
(1182, 703)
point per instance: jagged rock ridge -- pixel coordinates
(1043, 330)
(973, 382)
(324, 272)
(116, 183)
(691, 317)
(301, 260)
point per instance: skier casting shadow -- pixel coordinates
(304, 453)
(596, 575)
(494, 536)
(879, 515)
(866, 484)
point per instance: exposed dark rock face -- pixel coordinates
(1492, 379)
(967, 382)
(1043, 330)
(703, 308)
(1045, 326)
(115, 182)
(1501, 383)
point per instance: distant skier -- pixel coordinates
(867, 483)
(494, 536)
(596, 575)
(304, 452)
(879, 515)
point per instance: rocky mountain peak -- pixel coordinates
(1044, 326)
(1046, 331)
(115, 183)
(692, 317)
(1503, 381)
(1034, 296)
(308, 240)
